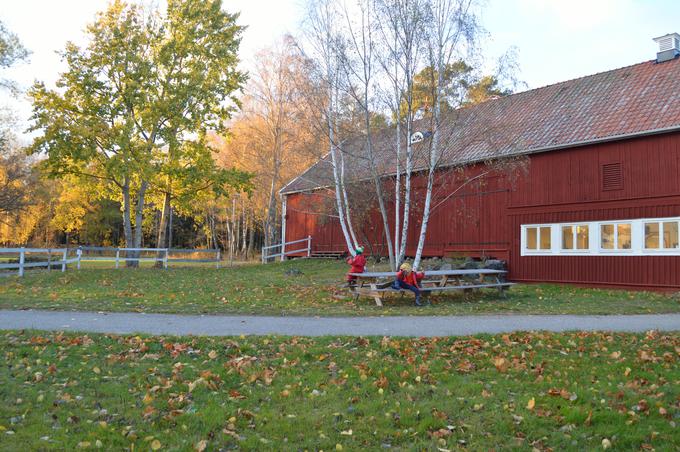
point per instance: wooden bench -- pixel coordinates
(372, 284)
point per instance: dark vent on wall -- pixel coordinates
(612, 176)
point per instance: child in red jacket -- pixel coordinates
(358, 264)
(407, 279)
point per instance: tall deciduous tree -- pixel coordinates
(452, 32)
(196, 57)
(134, 106)
(325, 48)
(274, 136)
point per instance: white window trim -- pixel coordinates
(574, 250)
(661, 249)
(601, 250)
(537, 251)
(595, 241)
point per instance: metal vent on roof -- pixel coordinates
(612, 176)
(669, 47)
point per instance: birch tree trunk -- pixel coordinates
(139, 216)
(350, 227)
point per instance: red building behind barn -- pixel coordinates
(598, 203)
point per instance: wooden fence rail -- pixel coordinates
(22, 264)
(81, 255)
(265, 250)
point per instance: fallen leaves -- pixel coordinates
(501, 364)
(187, 384)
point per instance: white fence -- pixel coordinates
(284, 252)
(22, 265)
(117, 255)
(163, 255)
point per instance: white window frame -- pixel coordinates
(538, 250)
(595, 240)
(660, 249)
(616, 237)
(573, 230)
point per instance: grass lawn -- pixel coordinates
(544, 391)
(257, 289)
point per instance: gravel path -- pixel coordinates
(222, 325)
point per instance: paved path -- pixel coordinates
(221, 325)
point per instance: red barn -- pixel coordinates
(598, 204)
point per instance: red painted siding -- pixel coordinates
(484, 218)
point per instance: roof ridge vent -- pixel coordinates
(669, 47)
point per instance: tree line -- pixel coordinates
(153, 136)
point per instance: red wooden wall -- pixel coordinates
(484, 218)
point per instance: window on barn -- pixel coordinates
(575, 237)
(537, 238)
(631, 237)
(616, 236)
(661, 235)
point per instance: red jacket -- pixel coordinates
(412, 278)
(358, 263)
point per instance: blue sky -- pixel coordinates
(557, 39)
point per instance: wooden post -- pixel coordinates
(264, 255)
(309, 246)
(165, 260)
(63, 261)
(217, 258)
(284, 207)
(22, 257)
(117, 257)
(49, 259)
(79, 252)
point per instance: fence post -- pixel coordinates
(165, 260)
(79, 253)
(309, 246)
(264, 255)
(63, 262)
(49, 259)
(22, 257)
(217, 258)
(117, 257)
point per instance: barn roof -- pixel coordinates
(621, 103)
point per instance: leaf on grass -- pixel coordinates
(501, 364)
(589, 419)
(201, 445)
(155, 444)
(441, 433)
(531, 404)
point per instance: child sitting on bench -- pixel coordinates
(407, 279)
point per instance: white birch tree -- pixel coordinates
(402, 33)
(452, 30)
(324, 48)
(359, 66)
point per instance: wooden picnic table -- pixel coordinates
(372, 284)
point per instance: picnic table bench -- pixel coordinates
(376, 284)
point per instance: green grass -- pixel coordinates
(257, 289)
(523, 391)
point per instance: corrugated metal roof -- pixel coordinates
(632, 100)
